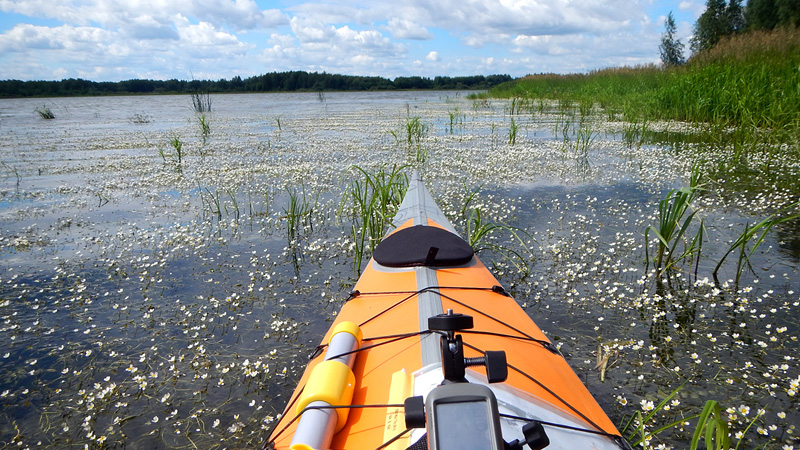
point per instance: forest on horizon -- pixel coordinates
(271, 82)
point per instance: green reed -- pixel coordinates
(481, 235)
(297, 213)
(177, 150)
(634, 133)
(415, 130)
(518, 104)
(512, 132)
(584, 138)
(585, 106)
(45, 112)
(711, 427)
(372, 201)
(456, 119)
(755, 232)
(233, 210)
(205, 127)
(211, 201)
(674, 218)
(13, 171)
(201, 101)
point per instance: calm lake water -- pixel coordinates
(154, 292)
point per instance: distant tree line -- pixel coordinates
(724, 18)
(270, 82)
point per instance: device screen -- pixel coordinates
(463, 426)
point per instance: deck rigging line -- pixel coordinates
(389, 339)
(437, 289)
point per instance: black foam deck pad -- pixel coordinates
(423, 246)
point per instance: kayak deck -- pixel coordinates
(400, 357)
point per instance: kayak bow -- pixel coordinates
(383, 348)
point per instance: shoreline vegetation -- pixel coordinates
(742, 97)
(748, 81)
(295, 81)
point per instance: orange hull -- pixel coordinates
(399, 356)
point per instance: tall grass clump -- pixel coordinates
(177, 150)
(482, 235)
(675, 215)
(711, 427)
(755, 232)
(415, 130)
(456, 119)
(374, 199)
(607, 87)
(205, 127)
(45, 112)
(512, 132)
(201, 101)
(297, 213)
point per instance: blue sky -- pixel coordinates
(112, 40)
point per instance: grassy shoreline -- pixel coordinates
(743, 96)
(747, 80)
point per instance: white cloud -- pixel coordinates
(206, 35)
(406, 29)
(119, 39)
(25, 37)
(307, 30)
(238, 14)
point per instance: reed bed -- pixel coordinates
(744, 89)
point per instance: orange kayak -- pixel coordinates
(430, 351)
